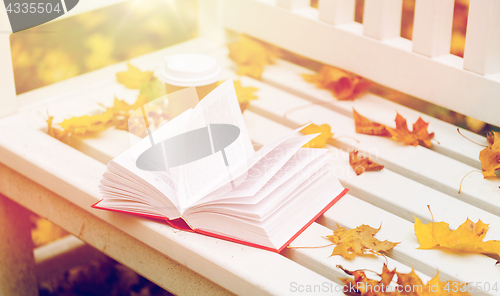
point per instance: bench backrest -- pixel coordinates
(422, 67)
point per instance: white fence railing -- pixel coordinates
(423, 68)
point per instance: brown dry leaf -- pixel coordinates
(409, 284)
(360, 164)
(342, 84)
(251, 56)
(368, 127)
(358, 241)
(490, 156)
(133, 78)
(468, 237)
(320, 141)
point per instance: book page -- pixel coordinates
(268, 166)
(240, 173)
(229, 146)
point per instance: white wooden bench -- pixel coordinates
(59, 181)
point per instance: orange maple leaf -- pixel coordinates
(342, 84)
(490, 156)
(368, 127)
(362, 164)
(401, 133)
(419, 135)
(408, 284)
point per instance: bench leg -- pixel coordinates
(17, 263)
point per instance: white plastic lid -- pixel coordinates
(190, 69)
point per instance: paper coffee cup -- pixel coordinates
(190, 70)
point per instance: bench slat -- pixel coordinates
(321, 261)
(417, 163)
(74, 178)
(394, 228)
(450, 265)
(406, 199)
(287, 76)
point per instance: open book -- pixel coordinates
(200, 173)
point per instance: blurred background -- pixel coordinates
(70, 47)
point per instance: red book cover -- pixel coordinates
(182, 225)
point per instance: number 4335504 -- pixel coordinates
(471, 287)
(33, 8)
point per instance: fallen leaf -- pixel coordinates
(468, 237)
(43, 231)
(368, 127)
(320, 141)
(118, 114)
(419, 135)
(361, 164)
(251, 56)
(358, 241)
(401, 133)
(342, 84)
(55, 132)
(490, 156)
(492, 137)
(245, 94)
(409, 284)
(490, 161)
(81, 125)
(133, 78)
(361, 285)
(420, 130)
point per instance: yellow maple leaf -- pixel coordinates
(43, 231)
(245, 94)
(468, 237)
(358, 241)
(80, 125)
(320, 141)
(118, 114)
(251, 56)
(134, 78)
